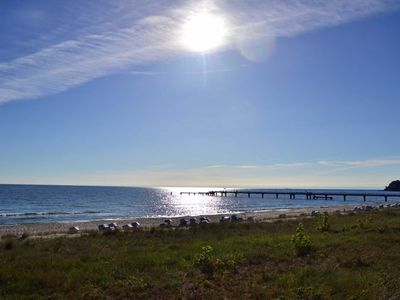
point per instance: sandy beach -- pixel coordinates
(61, 228)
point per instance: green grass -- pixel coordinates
(357, 258)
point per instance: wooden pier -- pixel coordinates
(309, 195)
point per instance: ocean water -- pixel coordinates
(21, 204)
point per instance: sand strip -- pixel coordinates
(38, 229)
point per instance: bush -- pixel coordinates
(208, 264)
(323, 224)
(301, 241)
(204, 261)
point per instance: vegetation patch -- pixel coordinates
(341, 257)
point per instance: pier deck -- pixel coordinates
(309, 195)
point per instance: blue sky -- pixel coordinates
(299, 94)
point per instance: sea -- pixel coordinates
(24, 204)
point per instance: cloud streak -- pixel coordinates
(316, 167)
(296, 174)
(370, 173)
(115, 37)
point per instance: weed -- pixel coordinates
(204, 261)
(323, 222)
(301, 241)
(208, 265)
(363, 223)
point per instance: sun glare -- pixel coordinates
(204, 32)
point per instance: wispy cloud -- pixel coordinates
(109, 38)
(294, 174)
(372, 173)
(146, 73)
(323, 164)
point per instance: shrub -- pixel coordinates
(208, 264)
(323, 223)
(204, 261)
(301, 241)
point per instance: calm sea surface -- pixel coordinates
(41, 204)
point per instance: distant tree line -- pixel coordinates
(393, 186)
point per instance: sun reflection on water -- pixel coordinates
(193, 205)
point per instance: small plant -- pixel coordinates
(323, 222)
(301, 241)
(208, 264)
(204, 261)
(219, 264)
(367, 220)
(361, 223)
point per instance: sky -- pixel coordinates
(296, 93)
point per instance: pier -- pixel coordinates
(309, 195)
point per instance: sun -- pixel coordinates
(204, 32)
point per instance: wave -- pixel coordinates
(48, 213)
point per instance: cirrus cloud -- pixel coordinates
(111, 37)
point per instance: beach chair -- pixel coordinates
(225, 219)
(135, 224)
(183, 222)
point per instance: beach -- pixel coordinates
(283, 253)
(61, 228)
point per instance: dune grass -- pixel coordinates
(358, 257)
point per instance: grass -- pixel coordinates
(357, 258)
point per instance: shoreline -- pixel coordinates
(61, 228)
